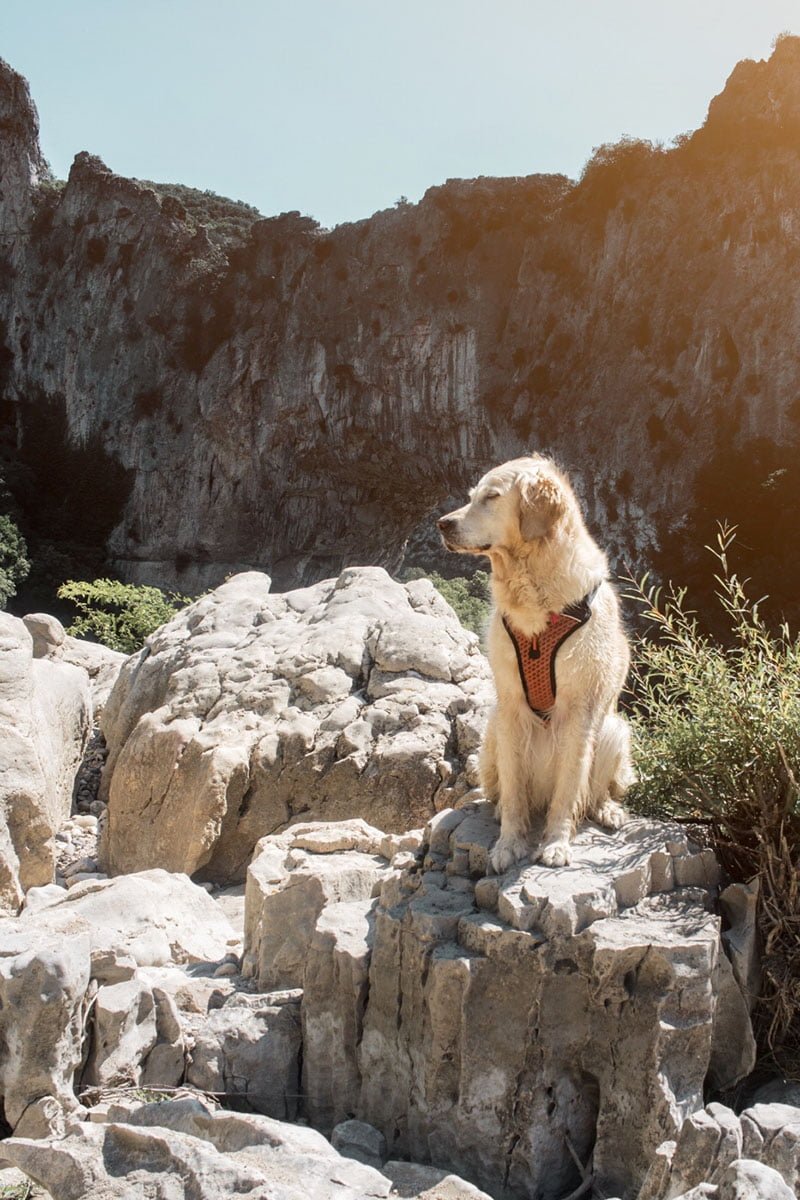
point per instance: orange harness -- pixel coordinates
(536, 656)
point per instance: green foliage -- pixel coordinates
(119, 615)
(226, 221)
(717, 741)
(14, 563)
(469, 597)
(17, 1191)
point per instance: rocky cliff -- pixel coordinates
(299, 399)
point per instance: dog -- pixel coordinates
(555, 742)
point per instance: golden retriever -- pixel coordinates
(554, 742)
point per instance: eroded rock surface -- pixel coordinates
(355, 697)
(45, 717)
(710, 1146)
(477, 1021)
(184, 1148)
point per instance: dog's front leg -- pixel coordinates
(512, 845)
(576, 743)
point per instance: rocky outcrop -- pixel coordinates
(45, 717)
(758, 1152)
(491, 1023)
(302, 401)
(355, 697)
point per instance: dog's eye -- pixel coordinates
(492, 495)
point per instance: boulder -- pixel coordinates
(45, 716)
(486, 1022)
(416, 1182)
(182, 1148)
(249, 711)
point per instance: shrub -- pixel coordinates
(717, 738)
(120, 615)
(14, 563)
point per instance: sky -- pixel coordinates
(340, 107)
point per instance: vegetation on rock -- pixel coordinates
(717, 735)
(119, 615)
(14, 563)
(226, 221)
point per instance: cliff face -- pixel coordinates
(301, 400)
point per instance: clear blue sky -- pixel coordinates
(338, 107)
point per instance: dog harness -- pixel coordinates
(536, 656)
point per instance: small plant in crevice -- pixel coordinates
(716, 725)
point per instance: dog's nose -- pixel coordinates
(446, 524)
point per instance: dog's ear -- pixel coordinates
(541, 504)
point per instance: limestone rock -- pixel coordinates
(45, 715)
(749, 1180)
(710, 1149)
(478, 1020)
(292, 877)
(183, 1148)
(154, 918)
(250, 1054)
(124, 1021)
(47, 632)
(248, 710)
(335, 989)
(42, 993)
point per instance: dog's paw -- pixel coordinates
(506, 851)
(555, 854)
(610, 815)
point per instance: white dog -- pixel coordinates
(555, 742)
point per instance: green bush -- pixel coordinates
(119, 615)
(14, 563)
(717, 742)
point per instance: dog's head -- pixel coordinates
(515, 504)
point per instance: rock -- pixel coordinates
(45, 714)
(364, 1143)
(748, 1180)
(733, 1052)
(248, 710)
(124, 1023)
(711, 1145)
(166, 1063)
(42, 993)
(336, 983)
(47, 633)
(100, 663)
(480, 1021)
(739, 907)
(209, 1155)
(250, 1054)
(429, 1183)
(292, 877)
(153, 917)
